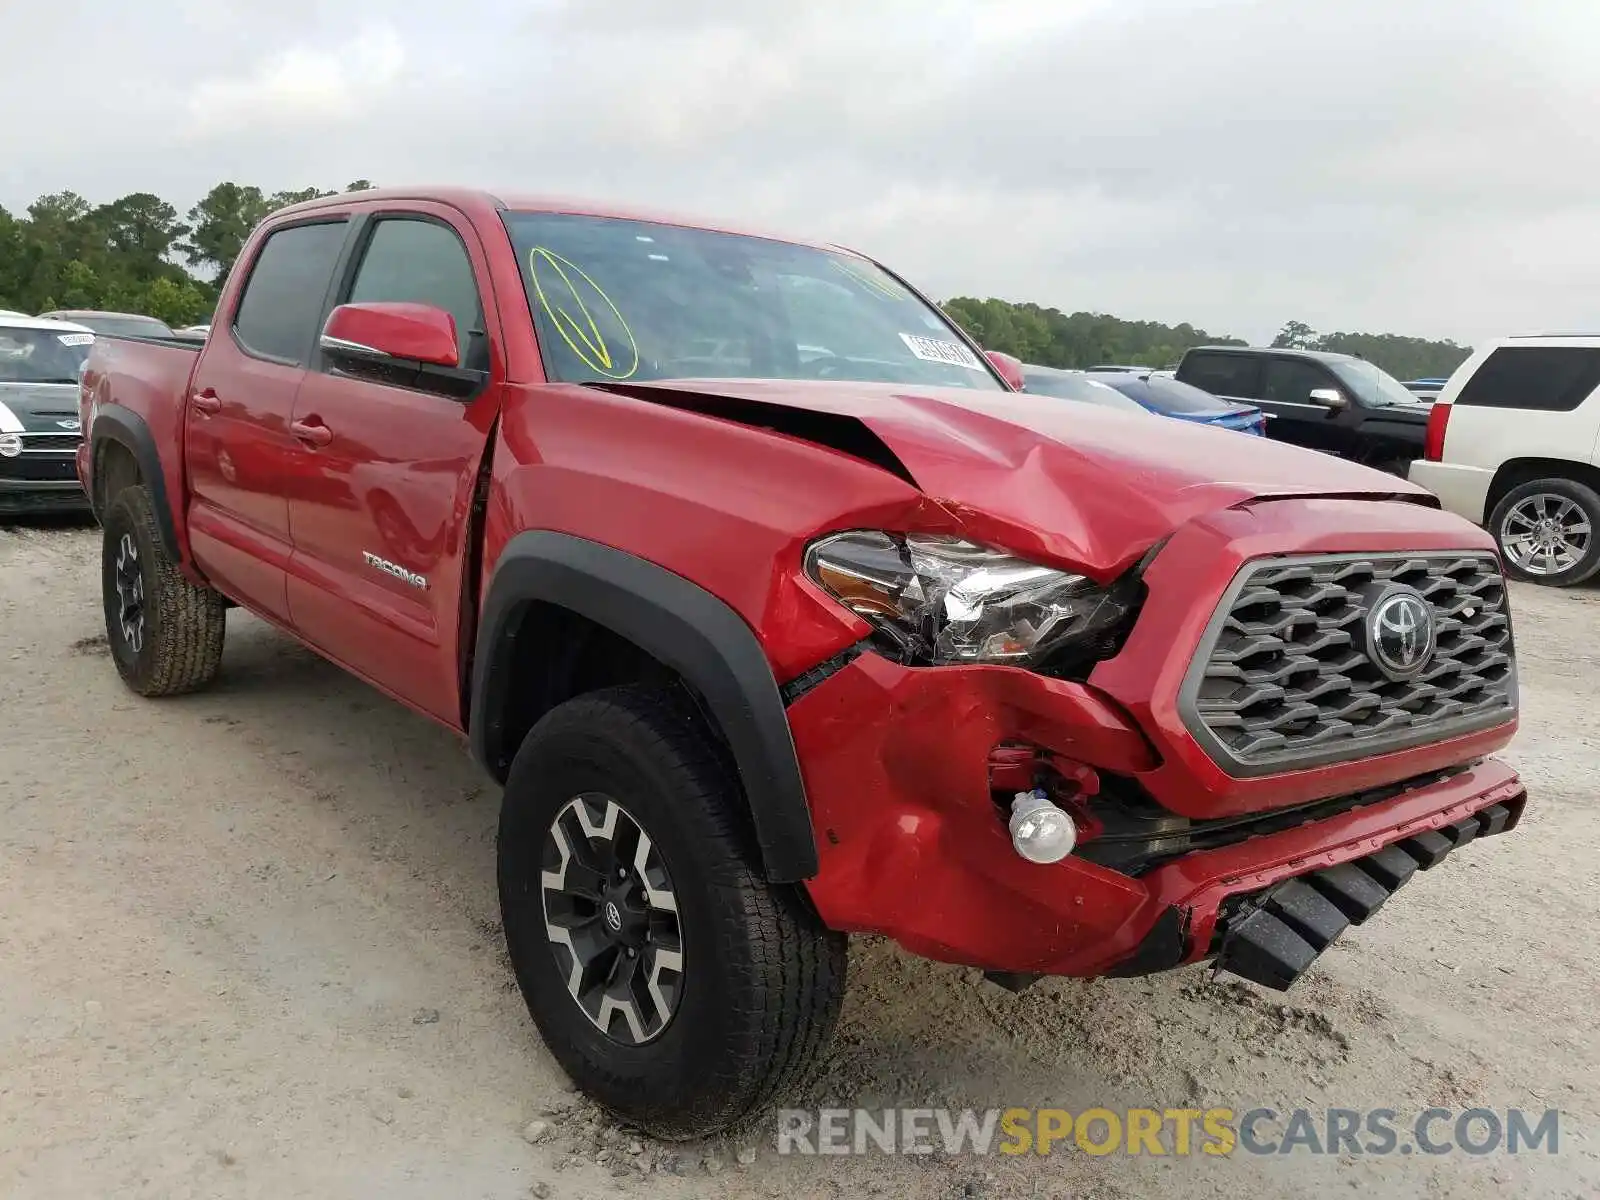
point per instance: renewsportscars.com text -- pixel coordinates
(1174, 1132)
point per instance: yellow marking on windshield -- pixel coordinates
(878, 287)
(572, 318)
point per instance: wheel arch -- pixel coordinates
(118, 431)
(1515, 472)
(671, 621)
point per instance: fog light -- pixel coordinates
(1040, 831)
(10, 445)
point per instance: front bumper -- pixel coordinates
(896, 763)
(19, 496)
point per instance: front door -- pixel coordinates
(238, 451)
(1286, 387)
(381, 543)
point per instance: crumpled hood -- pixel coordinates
(38, 407)
(1085, 484)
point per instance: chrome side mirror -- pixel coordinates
(1330, 398)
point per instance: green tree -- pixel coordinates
(219, 225)
(1296, 335)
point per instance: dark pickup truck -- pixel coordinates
(782, 614)
(1335, 403)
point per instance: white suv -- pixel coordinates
(1511, 444)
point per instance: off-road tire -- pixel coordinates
(762, 977)
(1570, 490)
(179, 647)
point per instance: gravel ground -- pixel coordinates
(249, 948)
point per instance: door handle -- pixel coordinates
(310, 433)
(207, 401)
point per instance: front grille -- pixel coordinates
(1282, 679)
(50, 443)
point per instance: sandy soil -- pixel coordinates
(249, 948)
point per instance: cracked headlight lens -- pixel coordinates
(941, 600)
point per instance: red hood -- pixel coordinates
(1088, 485)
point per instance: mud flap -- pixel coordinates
(1276, 934)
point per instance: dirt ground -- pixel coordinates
(249, 948)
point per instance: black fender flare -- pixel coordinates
(681, 625)
(115, 424)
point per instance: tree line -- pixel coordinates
(135, 254)
(1052, 338)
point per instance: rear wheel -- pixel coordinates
(1547, 528)
(164, 632)
(672, 982)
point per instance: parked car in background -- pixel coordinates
(1171, 398)
(193, 333)
(40, 362)
(112, 324)
(1514, 443)
(1075, 385)
(1336, 403)
(1425, 389)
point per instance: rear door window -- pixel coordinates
(280, 311)
(1543, 378)
(1224, 374)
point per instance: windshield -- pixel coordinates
(42, 355)
(1372, 384)
(1168, 395)
(618, 299)
(1065, 385)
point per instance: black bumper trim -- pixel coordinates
(1271, 937)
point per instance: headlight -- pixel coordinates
(943, 600)
(10, 445)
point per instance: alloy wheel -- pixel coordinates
(611, 915)
(130, 594)
(1545, 534)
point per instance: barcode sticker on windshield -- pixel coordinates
(952, 354)
(75, 339)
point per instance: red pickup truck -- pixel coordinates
(782, 614)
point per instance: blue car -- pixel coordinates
(1168, 398)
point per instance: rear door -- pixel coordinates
(1231, 376)
(381, 542)
(241, 460)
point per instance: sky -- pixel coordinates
(1408, 166)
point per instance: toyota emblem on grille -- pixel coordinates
(1400, 633)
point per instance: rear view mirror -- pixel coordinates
(392, 333)
(1329, 398)
(1009, 367)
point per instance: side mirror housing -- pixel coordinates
(1330, 398)
(380, 334)
(1009, 366)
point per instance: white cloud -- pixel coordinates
(302, 82)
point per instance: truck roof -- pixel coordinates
(1279, 351)
(470, 199)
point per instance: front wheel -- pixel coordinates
(672, 982)
(164, 632)
(1546, 531)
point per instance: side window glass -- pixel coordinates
(281, 307)
(1224, 374)
(1545, 378)
(409, 261)
(1288, 381)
